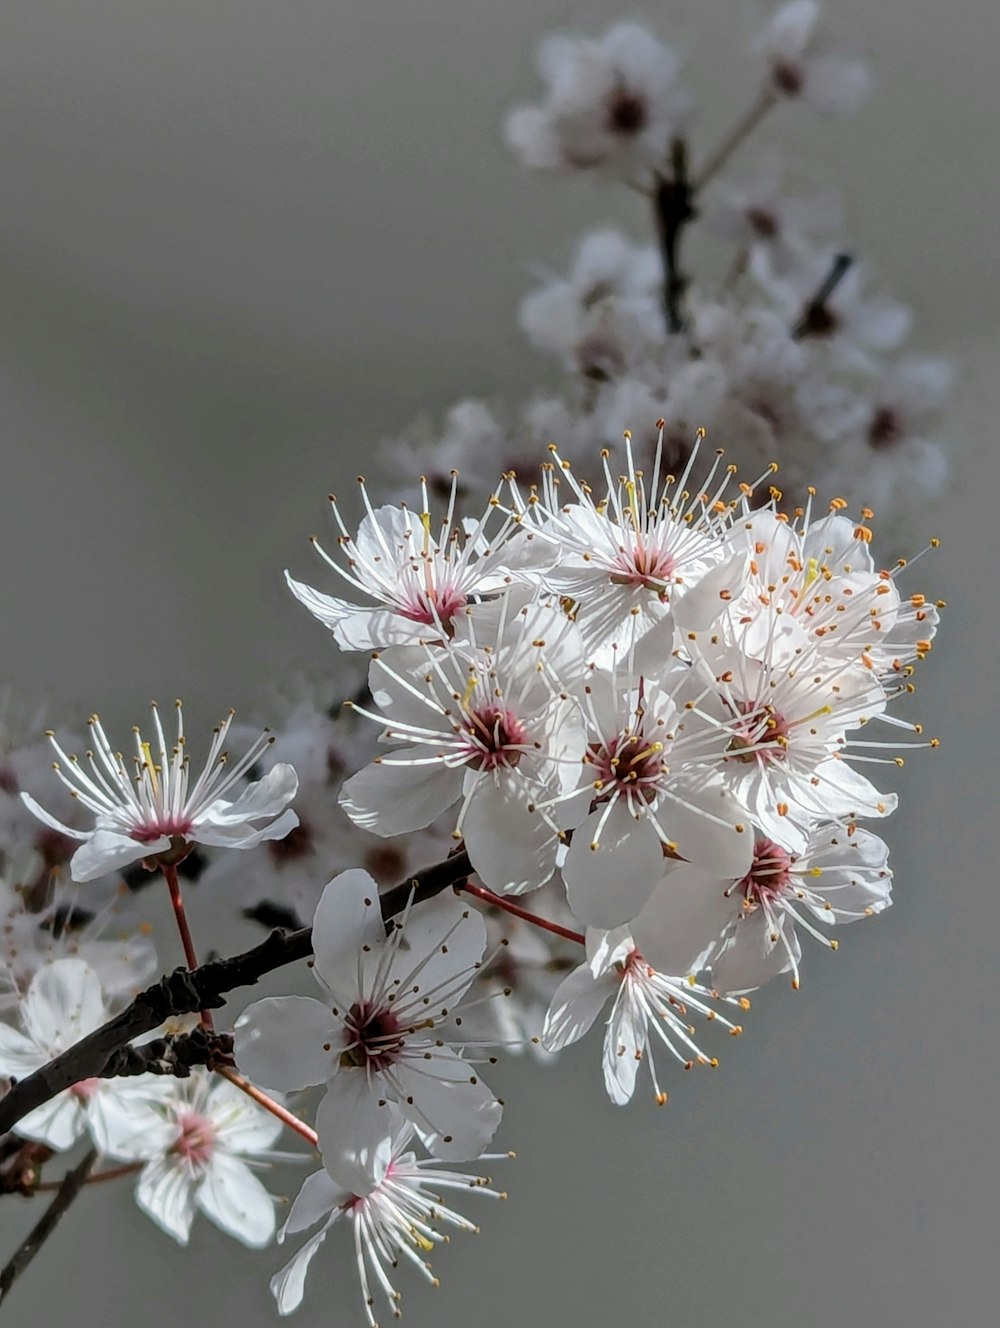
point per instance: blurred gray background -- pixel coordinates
(240, 241)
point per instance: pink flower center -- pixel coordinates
(170, 827)
(435, 607)
(196, 1141)
(493, 737)
(769, 875)
(377, 1037)
(630, 762)
(647, 568)
(764, 737)
(85, 1089)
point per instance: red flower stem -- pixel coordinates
(187, 941)
(269, 1104)
(113, 1173)
(498, 901)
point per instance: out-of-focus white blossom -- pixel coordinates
(613, 104)
(801, 65)
(199, 1140)
(63, 1003)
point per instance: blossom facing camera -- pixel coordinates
(154, 812)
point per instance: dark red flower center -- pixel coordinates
(376, 1036)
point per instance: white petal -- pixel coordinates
(105, 851)
(702, 604)
(48, 819)
(511, 848)
(683, 921)
(390, 797)
(58, 1123)
(688, 820)
(577, 1002)
(235, 1200)
(750, 957)
(288, 1284)
(355, 1124)
(326, 608)
(609, 884)
(265, 797)
(455, 1113)
(19, 1056)
(396, 682)
(241, 1125)
(319, 1196)
(348, 920)
(624, 1042)
(240, 834)
(126, 1119)
(445, 939)
(64, 1002)
(166, 1194)
(288, 1042)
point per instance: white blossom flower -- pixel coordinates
(464, 453)
(746, 930)
(648, 1007)
(64, 1003)
(374, 1038)
(38, 927)
(770, 207)
(629, 558)
(605, 313)
(422, 586)
(856, 322)
(813, 586)
(199, 1139)
(800, 65)
(491, 725)
(155, 809)
(653, 777)
(396, 1218)
(788, 763)
(613, 104)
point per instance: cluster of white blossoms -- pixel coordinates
(632, 722)
(784, 344)
(616, 737)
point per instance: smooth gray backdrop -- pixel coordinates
(239, 241)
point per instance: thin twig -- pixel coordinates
(187, 992)
(743, 127)
(71, 1186)
(95, 1177)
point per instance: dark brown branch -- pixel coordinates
(175, 1054)
(673, 202)
(43, 1228)
(187, 991)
